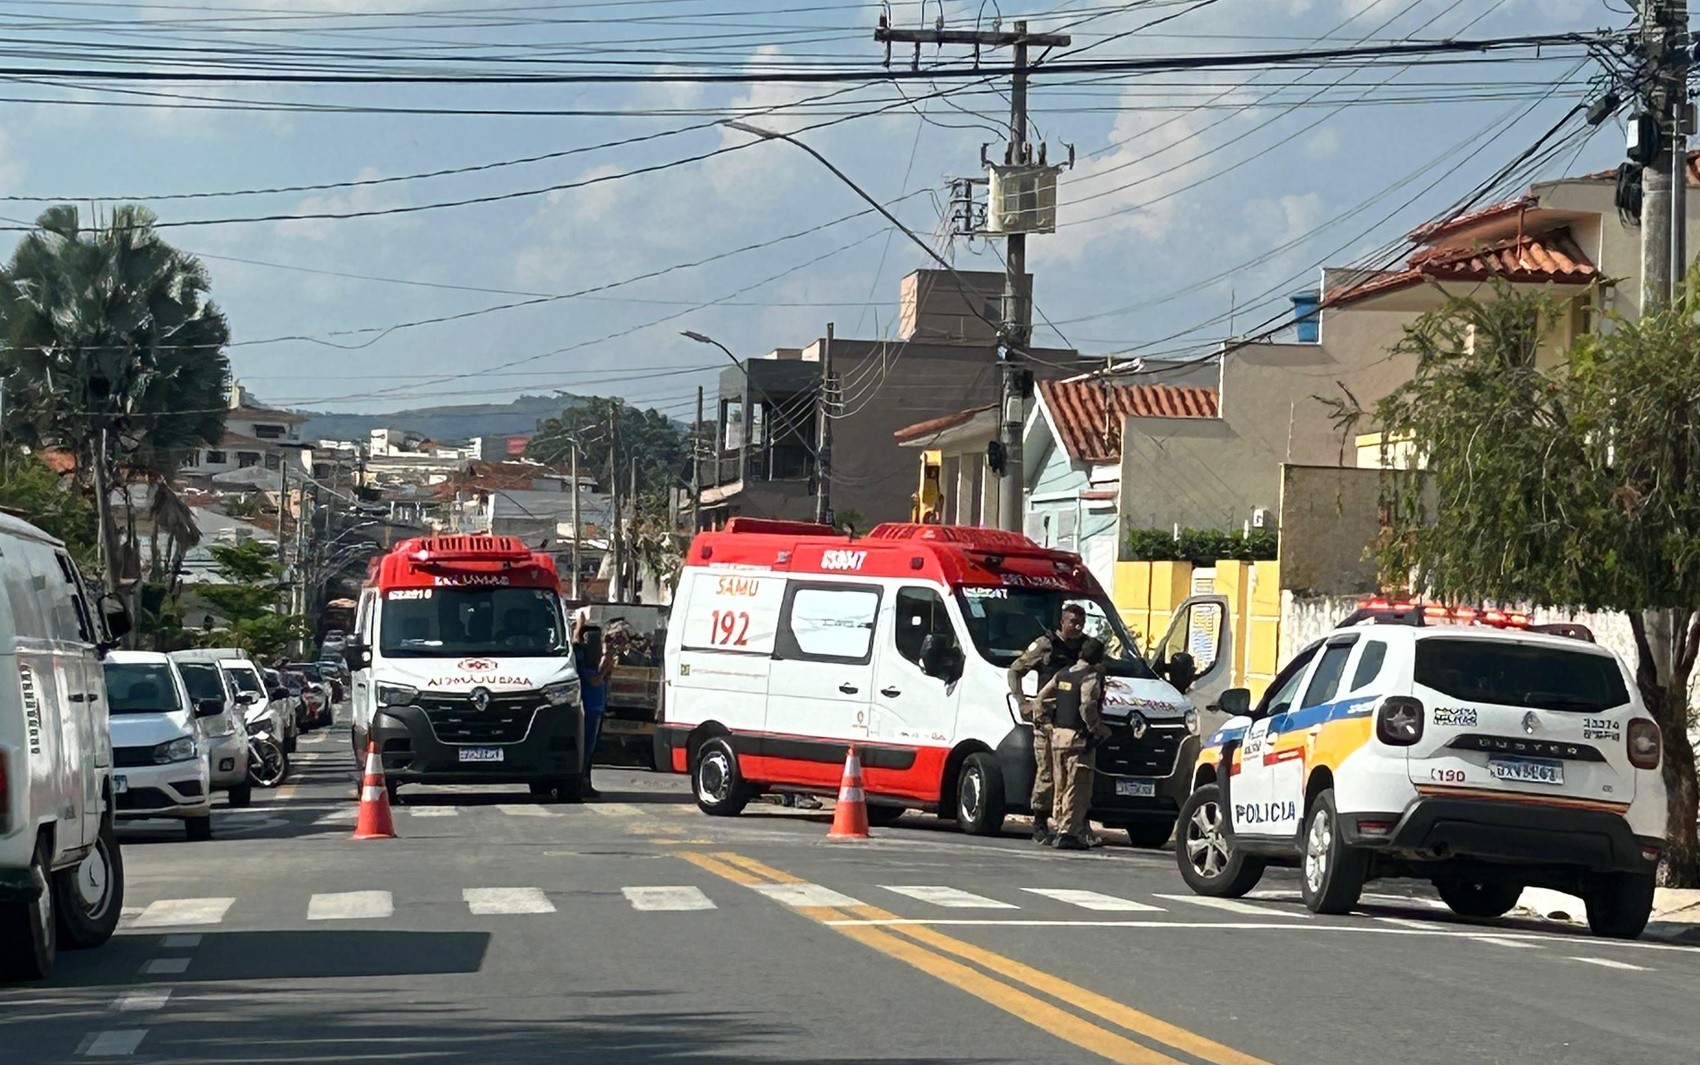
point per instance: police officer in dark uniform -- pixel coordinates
(1049, 655)
(1076, 696)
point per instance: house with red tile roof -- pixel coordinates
(1563, 237)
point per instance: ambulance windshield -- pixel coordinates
(442, 622)
(1003, 621)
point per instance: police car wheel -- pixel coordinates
(719, 786)
(1332, 874)
(1208, 860)
(1476, 898)
(1619, 904)
(980, 808)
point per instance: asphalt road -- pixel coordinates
(501, 929)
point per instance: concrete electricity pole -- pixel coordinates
(696, 468)
(1017, 327)
(616, 587)
(577, 527)
(1664, 179)
(823, 442)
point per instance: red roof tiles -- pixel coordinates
(1077, 409)
(934, 426)
(1529, 259)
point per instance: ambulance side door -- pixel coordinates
(820, 685)
(912, 708)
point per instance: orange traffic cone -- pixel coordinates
(374, 822)
(850, 816)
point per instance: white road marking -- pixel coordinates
(1501, 941)
(167, 913)
(337, 817)
(507, 900)
(615, 809)
(165, 967)
(524, 810)
(431, 811)
(115, 1044)
(1405, 922)
(667, 898)
(1092, 900)
(949, 897)
(349, 905)
(137, 1001)
(182, 941)
(1609, 964)
(1228, 905)
(804, 895)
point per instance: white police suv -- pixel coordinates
(1458, 746)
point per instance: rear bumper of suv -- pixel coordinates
(1514, 833)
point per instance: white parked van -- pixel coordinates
(788, 642)
(159, 760)
(61, 875)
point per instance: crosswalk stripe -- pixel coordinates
(804, 895)
(484, 901)
(118, 1044)
(349, 905)
(337, 817)
(524, 810)
(679, 809)
(166, 967)
(1610, 964)
(615, 809)
(1092, 900)
(138, 1001)
(948, 897)
(667, 898)
(431, 811)
(168, 913)
(1228, 905)
(187, 941)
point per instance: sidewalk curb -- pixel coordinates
(1686, 935)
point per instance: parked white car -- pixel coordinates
(61, 873)
(159, 762)
(225, 734)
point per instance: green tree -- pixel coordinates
(654, 440)
(1574, 486)
(247, 599)
(112, 349)
(49, 502)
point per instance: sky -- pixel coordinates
(1197, 202)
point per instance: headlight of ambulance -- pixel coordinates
(1191, 720)
(181, 749)
(396, 694)
(561, 693)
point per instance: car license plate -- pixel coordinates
(481, 754)
(1527, 770)
(120, 784)
(617, 727)
(1139, 789)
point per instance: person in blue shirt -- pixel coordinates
(593, 689)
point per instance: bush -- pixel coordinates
(1201, 547)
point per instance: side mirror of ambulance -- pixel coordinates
(356, 654)
(1236, 702)
(939, 657)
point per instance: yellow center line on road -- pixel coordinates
(911, 945)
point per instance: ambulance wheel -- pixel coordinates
(1478, 898)
(980, 806)
(1147, 834)
(27, 928)
(719, 786)
(1332, 874)
(1619, 904)
(1208, 861)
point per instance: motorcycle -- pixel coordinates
(268, 765)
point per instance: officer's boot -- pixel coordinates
(1042, 834)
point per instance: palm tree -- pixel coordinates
(112, 349)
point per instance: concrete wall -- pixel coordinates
(1330, 518)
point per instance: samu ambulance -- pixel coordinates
(789, 641)
(1451, 745)
(462, 668)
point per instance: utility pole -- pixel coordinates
(631, 583)
(577, 528)
(282, 540)
(616, 587)
(823, 443)
(1664, 178)
(1017, 327)
(696, 466)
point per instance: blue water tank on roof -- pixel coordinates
(1307, 307)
